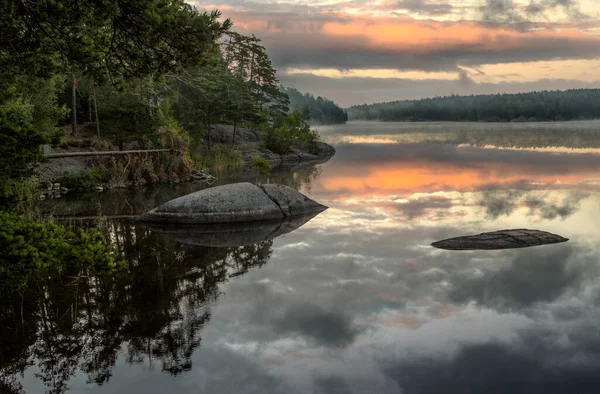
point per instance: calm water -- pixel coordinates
(355, 300)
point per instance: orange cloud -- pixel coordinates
(407, 178)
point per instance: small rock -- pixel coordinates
(57, 186)
(99, 189)
(64, 189)
(503, 239)
(42, 197)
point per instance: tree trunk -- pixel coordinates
(234, 130)
(208, 128)
(96, 112)
(117, 139)
(178, 101)
(252, 73)
(74, 104)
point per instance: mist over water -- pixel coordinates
(355, 300)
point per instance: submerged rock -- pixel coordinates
(230, 234)
(238, 202)
(503, 239)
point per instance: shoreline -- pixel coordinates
(249, 144)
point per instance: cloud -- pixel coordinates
(542, 7)
(392, 35)
(500, 11)
(495, 368)
(288, 314)
(509, 11)
(535, 275)
(499, 203)
(419, 7)
(464, 79)
(415, 208)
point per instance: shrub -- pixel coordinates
(261, 165)
(292, 131)
(85, 180)
(15, 191)
(28, 249)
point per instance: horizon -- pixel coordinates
(373, 51)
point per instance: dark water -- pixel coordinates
(354, 301)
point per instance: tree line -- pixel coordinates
(322, 111)
(575, 104)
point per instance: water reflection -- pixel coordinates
(355, 300)
(230, 234)
(151, 315)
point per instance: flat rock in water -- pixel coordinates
(237, 202)
(503, 239)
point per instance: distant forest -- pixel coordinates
(322, 110)
(576, 104)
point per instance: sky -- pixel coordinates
(365, 51)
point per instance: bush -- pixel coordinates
(292, 131)
(85, 180)
(261, 165)
(29, 249)
(15, 191)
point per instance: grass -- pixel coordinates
(220, 157)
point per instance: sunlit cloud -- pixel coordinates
(476, 46)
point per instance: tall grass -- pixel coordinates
(220, 157)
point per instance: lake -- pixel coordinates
(355, 300)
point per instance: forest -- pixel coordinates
(575, 104)
(322, 110)
(142, 74)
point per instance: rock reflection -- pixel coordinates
(230, 234)
(153, 312)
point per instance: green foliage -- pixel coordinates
(130, 113)
(292, 131)
(18, 194)
(19, 147)
(261, 165)
(30, 249)
(220, 157)
(29, 112)
(108, 40)
(85, 180)
(322, 110)
(576, 104)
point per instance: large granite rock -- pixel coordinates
(238, 202)
(503, 239)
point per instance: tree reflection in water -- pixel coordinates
(153, 311)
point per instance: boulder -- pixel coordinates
(237, 202)
(223, 134)
(503, 239)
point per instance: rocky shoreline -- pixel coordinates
(249, 143)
